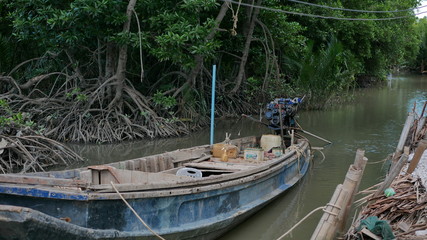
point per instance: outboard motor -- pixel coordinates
(288, 108)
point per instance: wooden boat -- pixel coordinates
(205, 201)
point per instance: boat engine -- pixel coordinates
(288, 108)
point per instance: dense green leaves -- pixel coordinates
(65, 24)
(288, 54)
(419, 63)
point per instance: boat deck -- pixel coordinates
(219, 195)
(154, 173)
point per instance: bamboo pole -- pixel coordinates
(352, 182)
(392, 175)
(313, 135)
(417, 156)
(337, 210)
(420, 126)
(405, 131)
(328, 219)
(403, 136)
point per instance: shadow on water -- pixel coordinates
(373, 123)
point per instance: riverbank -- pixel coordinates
(396, 207)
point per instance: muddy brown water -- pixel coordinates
(373, 122)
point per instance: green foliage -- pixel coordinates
(81, 97)
(181, 39)
(64, 24)
(323, 72)
(420, 61)
(198, 5)
(75, 91)
(76, 95)
(144, 114)
(166, 102)
(6, 53)
(376, 46)
(253, 88)
(10, 118)
(288, 55)
(4, 106)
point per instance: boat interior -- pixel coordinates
(174, 167)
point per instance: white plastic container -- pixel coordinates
(254, 154)
(269, 141)
(277, 151)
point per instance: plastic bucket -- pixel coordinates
(269, 141)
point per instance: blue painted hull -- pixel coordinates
(204, 214)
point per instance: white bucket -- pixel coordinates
(270, 141)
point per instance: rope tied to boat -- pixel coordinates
(134, 212)
(298, 152)
(319, 149)
(308, 215)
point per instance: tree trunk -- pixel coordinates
(76, 67)
(245, 53)
(98, 55)
(121, 65)
(198, 59)
(248, 13)
(110, 59)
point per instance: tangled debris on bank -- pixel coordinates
(400, 201)
(405, 211)
(33, 153)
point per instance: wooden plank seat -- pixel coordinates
(232, 167)
(105, 174)
(46, 181)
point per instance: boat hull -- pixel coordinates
(201, 215)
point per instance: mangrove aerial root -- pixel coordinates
(69, 106)
(73, 114)
(33, 153)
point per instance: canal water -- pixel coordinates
(373, 122)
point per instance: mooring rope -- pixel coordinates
(309, 214)
(319, 150)
(296, 225)
(134, 212)
(298, 152)
(381, 161)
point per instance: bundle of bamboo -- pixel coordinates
(406, 211)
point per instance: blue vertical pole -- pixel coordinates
(213, 103)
